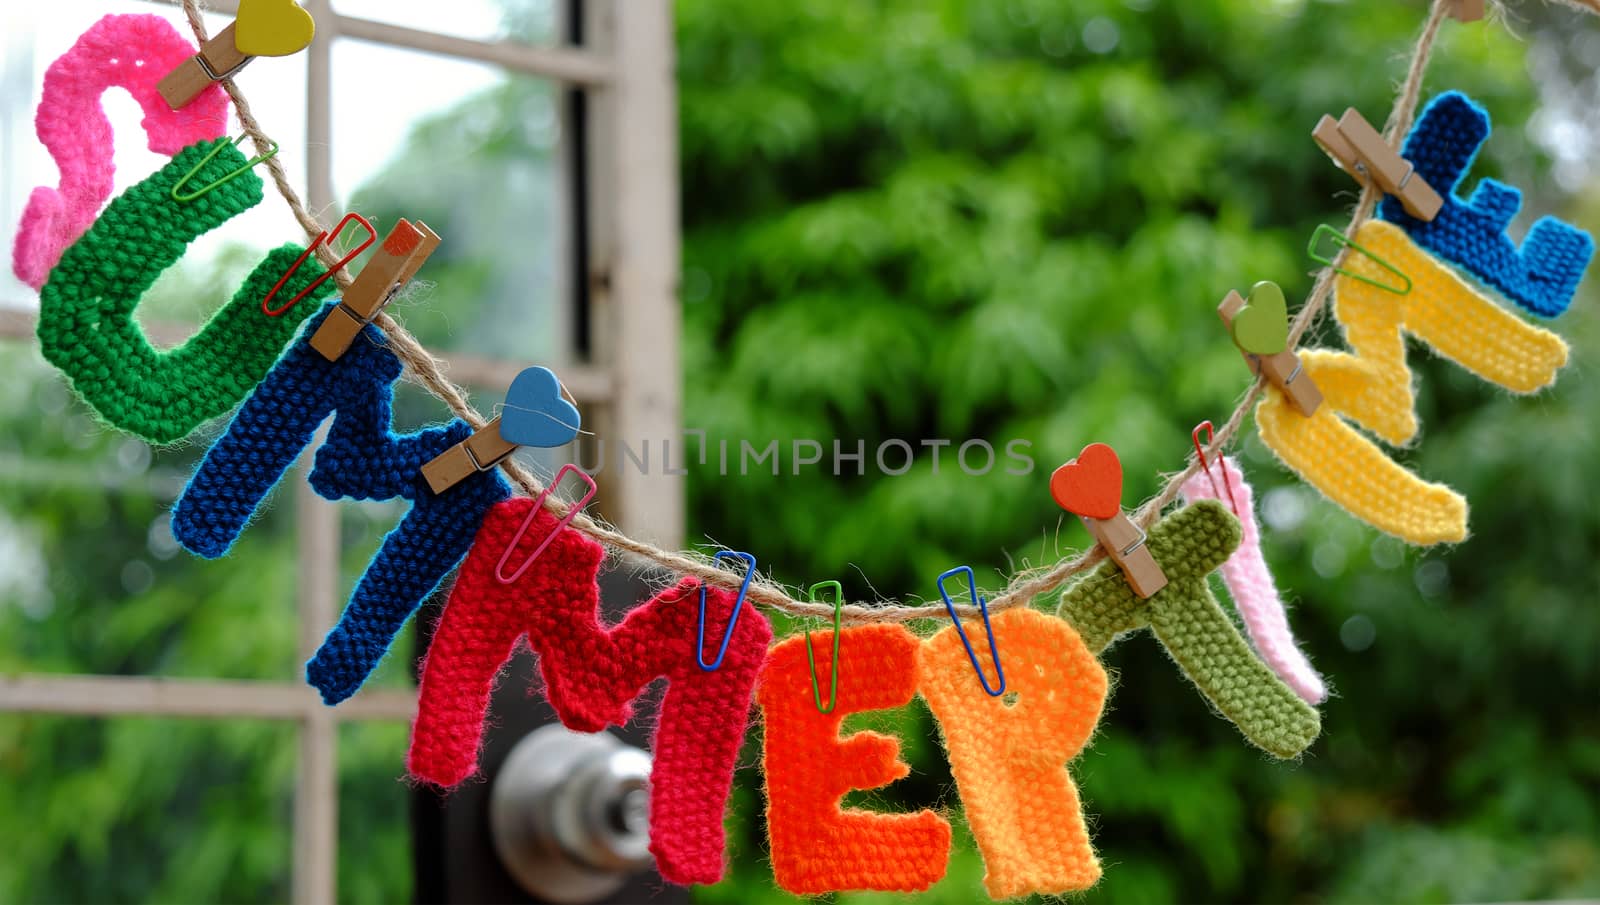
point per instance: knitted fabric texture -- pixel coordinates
(1372, 388)
(1250, 582)
(362, 458)
(592, 674)
(1543, 274)
(86, 309)
(817, 846)
(1010, 761)
(132, 52)
(1202, 640)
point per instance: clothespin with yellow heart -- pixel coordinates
(264, 28)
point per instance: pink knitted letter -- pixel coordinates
(592, 675)
(1250, 583)
(131, 52)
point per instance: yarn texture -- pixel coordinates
(1543, 274)
(592, 674)
(86, 309)
(817, 846)
(1185, 618)
(363, 459)
(1010, 761)
(1373, 388)
(132, 52)
(1250, 582)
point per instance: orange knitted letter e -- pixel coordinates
(1010, 760)
(818, 847)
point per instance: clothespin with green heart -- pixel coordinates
(263, 28)
(1260, 328)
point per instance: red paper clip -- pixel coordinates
(1227, 482)
(372, 236)
(533, 513)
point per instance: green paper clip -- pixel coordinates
(811, 658)
(1339, 239)
(190, 196)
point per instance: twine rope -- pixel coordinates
(429, 371)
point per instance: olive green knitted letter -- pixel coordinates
(86, 322)
(1189, 545)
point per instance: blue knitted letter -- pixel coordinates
(1544, 273)
(362, 458)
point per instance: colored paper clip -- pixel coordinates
(983, 607)
(325, 236)
(733, 620)
(1205, 466)
(533, 513)
(190, 196)
(811, 658)
(1340, 239)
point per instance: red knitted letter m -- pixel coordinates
(592, 675)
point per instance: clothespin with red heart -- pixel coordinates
(1090, 487)
(263, 28)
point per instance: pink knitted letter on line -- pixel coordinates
(1254, 593)
(132, 52)
(592, 674)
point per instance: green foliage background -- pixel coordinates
(922, 220)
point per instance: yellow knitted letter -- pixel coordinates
(1372, 388)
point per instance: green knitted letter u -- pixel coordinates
(86, 322)
(1190, 544)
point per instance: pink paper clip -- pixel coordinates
(533, 513)
(372, 236)
(1205, 466)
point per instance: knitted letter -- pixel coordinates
(1189, 545)
(1372, 387)
(1542, 275)
(1010, 760)
(1250, 582)
(816, 846)
(131, 52)
(592, 675)
(362, 458)
(86, 309)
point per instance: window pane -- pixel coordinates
(473, 153)
(525, 21)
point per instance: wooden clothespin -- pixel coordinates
(1259, 326)
(479, 452)
(218, 59)
(536, 414)
(263, 28)
(1466, 10)
(396, 261)
(1090, 487)
(1360, 150)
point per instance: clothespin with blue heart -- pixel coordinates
(536, 413)
(1540, 276)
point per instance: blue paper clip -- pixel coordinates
(733, 620)
(983, 607)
